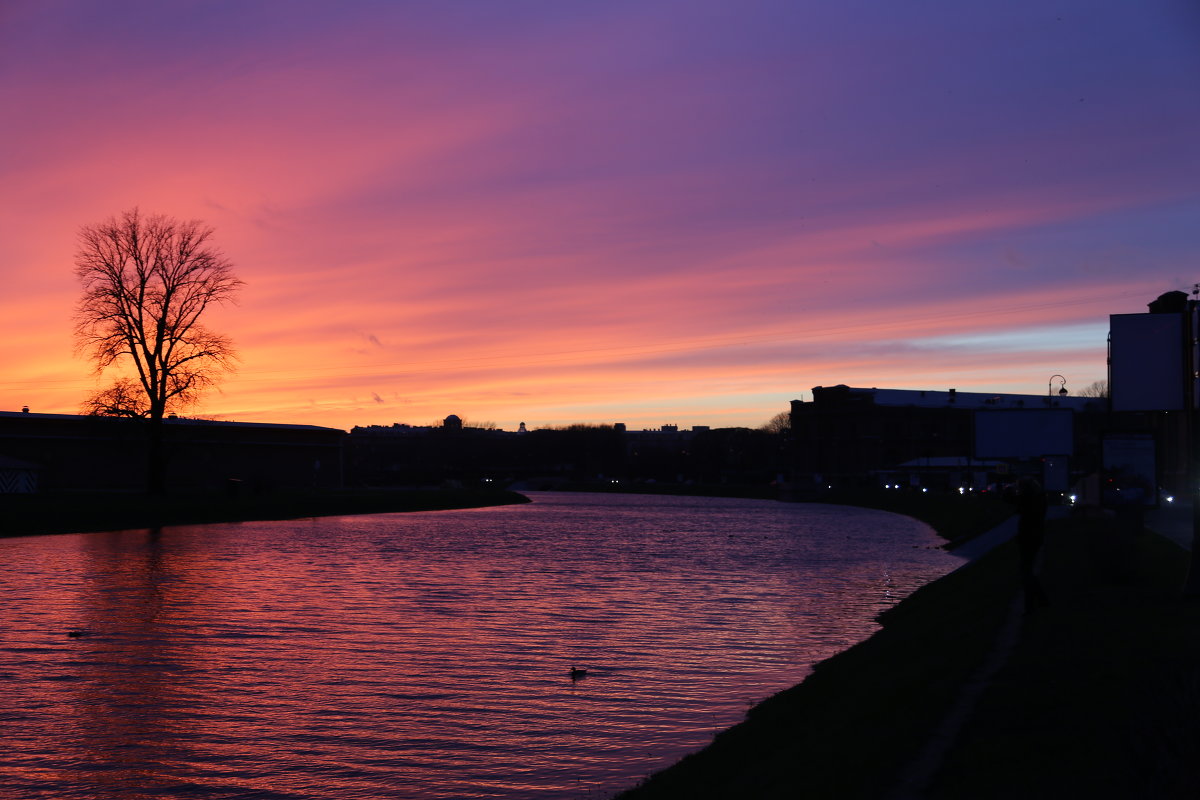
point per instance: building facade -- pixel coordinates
(69, 452)
(859, 436)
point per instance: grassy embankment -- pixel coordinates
(955, 517)
(24, 515)
(847, 730)
(1100, 697)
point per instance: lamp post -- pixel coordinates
(1062, 391)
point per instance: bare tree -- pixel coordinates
(147, 282)
(780, 423)
(125, 398)
(1094, 389)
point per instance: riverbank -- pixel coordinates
(956, 517)
(750, 491)
(1100, 695)
(78, 512)
(1096, 697)
(849, 728)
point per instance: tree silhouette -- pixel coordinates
(125, 398)
(147, 282)
(780, 423)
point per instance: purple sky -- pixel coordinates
(641, 212)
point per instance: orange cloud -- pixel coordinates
(607, 217)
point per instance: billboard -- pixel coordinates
(1146, 366)
(1024, 432)
(1129, 467)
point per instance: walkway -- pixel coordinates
(916, 779)
(1173, 521)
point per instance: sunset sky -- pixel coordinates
(644, 212)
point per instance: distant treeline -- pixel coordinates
(406, 456)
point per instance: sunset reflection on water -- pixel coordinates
(426, 655)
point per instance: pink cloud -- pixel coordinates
(582, 212)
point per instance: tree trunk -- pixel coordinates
(156, 459)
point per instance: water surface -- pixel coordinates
(425, 655)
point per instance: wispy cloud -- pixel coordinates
(560, 212)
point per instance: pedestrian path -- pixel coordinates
(915, 780)
(981, 545)
(985, 543)
(1173, 521)
(1170, 520)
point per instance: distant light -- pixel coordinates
(924, 490)
(961, 490)
(1170, 498)
(1072, 498)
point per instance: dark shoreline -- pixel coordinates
(848, 729)
(1094, 698)
(955, 517)
(77, 512)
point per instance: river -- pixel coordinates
(425, 655)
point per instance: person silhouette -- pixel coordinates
(1030, 502)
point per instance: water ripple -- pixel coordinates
(425, 655)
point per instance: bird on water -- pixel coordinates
(577, 673)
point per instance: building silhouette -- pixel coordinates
(69, 452)
(861, 437)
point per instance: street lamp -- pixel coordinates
(1062, 392)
